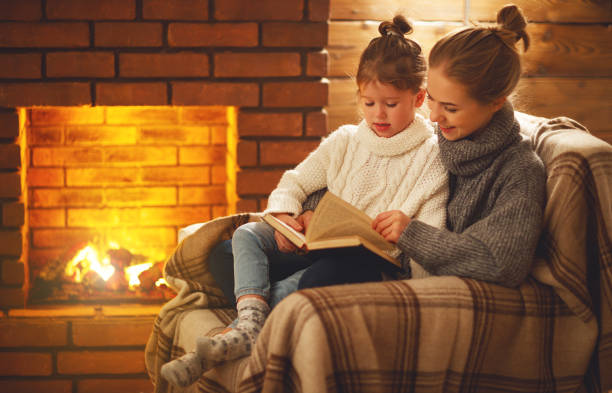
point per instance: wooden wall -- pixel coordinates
(567, 69)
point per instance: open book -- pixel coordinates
(336, 224)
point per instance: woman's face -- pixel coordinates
(458, 114)
(386, 109)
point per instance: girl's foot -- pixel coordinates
(230, 345)
(183, 371)
(237, 342)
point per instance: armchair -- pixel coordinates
(438, 334)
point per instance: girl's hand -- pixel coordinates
(391, 224)
(304, 219)
(284, 245)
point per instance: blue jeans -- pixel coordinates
(221, 266)
(251, 264)
(281, 273)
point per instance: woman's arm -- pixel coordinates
(313, 199)
(498, 248)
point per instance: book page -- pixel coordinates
(335, 217)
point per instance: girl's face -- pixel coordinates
(386, 109)
(458, 115)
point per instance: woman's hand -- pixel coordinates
(391, 224)
(284, 245)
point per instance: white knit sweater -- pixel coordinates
(374, 174)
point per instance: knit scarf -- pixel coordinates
(474, 154)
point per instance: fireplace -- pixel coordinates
(107, 190)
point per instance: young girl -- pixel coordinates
(387, 162)
(497, 183)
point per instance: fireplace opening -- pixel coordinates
(108, 188)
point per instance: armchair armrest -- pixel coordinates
(421, 335)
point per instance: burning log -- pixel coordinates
(53, 271)
(120, 258)
(149, 277)
(93, 281)
(117, 282)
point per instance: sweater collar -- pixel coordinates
(413, 135)
(474, 154)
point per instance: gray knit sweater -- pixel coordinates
(495, 208)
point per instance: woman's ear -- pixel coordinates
(498, 103)
(420, 98)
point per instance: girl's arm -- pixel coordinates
(306, 178)
(391, 224)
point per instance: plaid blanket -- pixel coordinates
(438, 334)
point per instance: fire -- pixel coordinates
(132, 272)
(115, 259)
(88, 259)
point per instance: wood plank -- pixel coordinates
(449, 10)
(556, 50)
(597, 11)
(345, 43)
(586, 100)
(348, 39)
(342, 107)
(569, 50)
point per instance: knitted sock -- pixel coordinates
(210, 351)
(183, 371)
(236, 343)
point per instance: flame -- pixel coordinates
(132, 272)
(88, 259)
(160, 282)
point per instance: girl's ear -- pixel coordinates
(420, 98)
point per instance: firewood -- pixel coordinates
(149, 277)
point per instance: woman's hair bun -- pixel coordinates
(399, 26)
(510, 17)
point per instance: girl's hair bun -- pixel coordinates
(393, 58)
(511, 18)
(399, 27)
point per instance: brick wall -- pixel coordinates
(13, 236)
(81, 349)
(265, 58)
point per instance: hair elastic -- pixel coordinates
(391, 32)
(497, 32)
